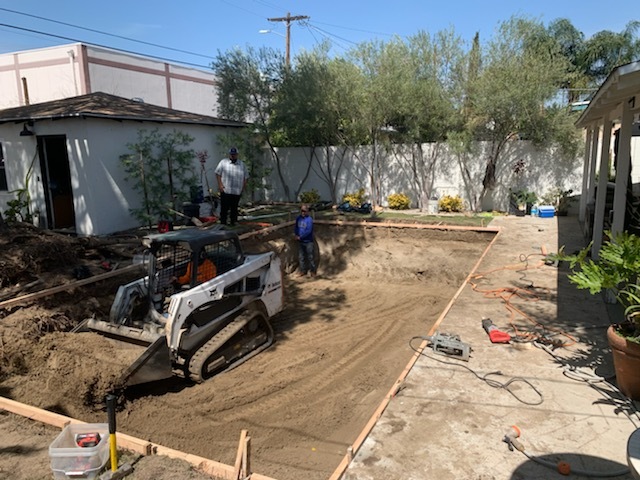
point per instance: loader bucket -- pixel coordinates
(154, 364)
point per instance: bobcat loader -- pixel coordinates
(198, 329)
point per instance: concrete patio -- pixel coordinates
(449, 417)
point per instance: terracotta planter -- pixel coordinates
(626, 362)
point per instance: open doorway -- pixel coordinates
(56, 181)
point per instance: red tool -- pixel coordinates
(495, 334)
(85, 440)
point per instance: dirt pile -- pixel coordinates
(26, 252)
(70, 373)
(34, 260)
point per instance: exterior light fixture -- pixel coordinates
(25, 129)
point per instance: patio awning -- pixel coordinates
(620, 86)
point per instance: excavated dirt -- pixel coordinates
(341, 342)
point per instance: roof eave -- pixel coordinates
(122, 118)
(608, 94)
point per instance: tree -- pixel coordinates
(430, 109)
(248, 85)
(607, 50)
(474, 64)
(591, 60)
(315, 110)
(384, 73)
(512, 94)
(302, 113)
(570, 42)
(161, 169)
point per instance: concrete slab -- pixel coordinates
(449, 419)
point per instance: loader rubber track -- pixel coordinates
(216, 343)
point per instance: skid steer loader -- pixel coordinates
(205, 326)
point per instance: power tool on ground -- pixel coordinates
(450, 345)
(495, 334)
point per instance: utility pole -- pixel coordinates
(288, 19)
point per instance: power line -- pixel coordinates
(312, 34)
(356, 29)
(267, 4)
(243, 9)
(75, 40)
(326, 36)
(107, 33)
(332, 35)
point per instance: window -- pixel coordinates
(3, 173)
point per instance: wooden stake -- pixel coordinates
(245, 458)
(240, 467)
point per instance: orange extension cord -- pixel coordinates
(507, 294)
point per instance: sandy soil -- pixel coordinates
(340, 345)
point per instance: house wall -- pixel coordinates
(102, 196)
(76, 69)
(51, 74)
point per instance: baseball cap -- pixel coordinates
(233, 151)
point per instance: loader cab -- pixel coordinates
(178, 258)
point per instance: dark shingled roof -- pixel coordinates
(103, 105)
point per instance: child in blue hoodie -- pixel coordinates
(304, 235)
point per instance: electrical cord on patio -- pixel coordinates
(527, 294)
(491, 382)
(523, 276)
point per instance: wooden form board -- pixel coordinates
(67, 286)
(419, 226)
(137, 445)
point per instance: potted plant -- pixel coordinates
(616, 271)
(523, 201)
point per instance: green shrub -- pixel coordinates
(310, 197)
(355, 199)
(398, 201)
(524, 197)
(451, 204)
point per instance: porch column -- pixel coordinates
(623, 160)
(585, 177)
(592, 164)
(601, 195)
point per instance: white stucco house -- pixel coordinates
(66, 152)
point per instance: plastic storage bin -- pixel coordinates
(68, 460)
(546, 211)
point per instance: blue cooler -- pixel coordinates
(546, 211)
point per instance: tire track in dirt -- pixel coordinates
(339, 368)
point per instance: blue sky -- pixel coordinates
(204, 27)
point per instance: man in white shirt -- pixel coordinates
(232, 179)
